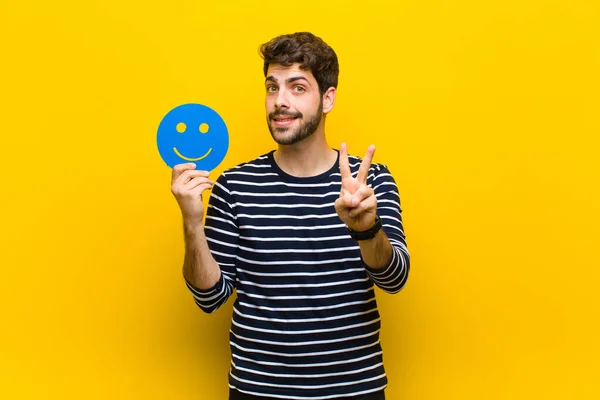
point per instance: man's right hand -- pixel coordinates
(187, 185)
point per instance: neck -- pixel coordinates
(310, 157)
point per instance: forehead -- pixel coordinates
(279, 72)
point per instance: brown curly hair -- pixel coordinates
(310, 51)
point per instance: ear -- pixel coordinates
(329, 99)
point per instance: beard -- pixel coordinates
(305, 129)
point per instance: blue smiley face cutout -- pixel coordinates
(193, 133)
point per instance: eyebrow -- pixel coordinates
(288, 80)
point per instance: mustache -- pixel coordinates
(286, 113)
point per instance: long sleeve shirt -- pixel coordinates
(305, 322)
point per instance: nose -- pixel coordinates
(282, 101)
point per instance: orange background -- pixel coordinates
(487, 113)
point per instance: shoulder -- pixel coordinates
(248, 171)
(377, 170)
(256, 165)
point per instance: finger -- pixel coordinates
(364, 192)
(200, 180)
(194, 189)
(344, 193)
(365, 165)
(179, 169)
(198, 190)
(188, 175)
(368, 205)
(341, 210)
(344, 163)
(344, 201)
(346, 197)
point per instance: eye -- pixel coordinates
(299, 89)
(181, 127)
(203, 127)
(271, 88)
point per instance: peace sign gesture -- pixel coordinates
(357, 204)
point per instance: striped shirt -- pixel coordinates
(305, 322)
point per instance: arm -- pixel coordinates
(209, 275)
(199, 266)
(377, 252)
(391, 276)
(385, 257)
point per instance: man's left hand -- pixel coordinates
(357, 204)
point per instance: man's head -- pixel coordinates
(301, 73)
(306, 49)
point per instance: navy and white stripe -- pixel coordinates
(305, 323)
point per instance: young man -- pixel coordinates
(303, 233)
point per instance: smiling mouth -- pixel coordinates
(283, 122)
(191, 159)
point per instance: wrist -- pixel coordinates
(368, 233)
(193, 221)
(193, 227)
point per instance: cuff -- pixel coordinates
(216, 288)
(380, 273)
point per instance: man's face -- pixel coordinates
(293, 103)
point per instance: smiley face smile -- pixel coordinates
(191, 159)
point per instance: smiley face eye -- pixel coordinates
(181, 127)
(204, 128)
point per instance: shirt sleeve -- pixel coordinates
(221, 230)
(393, 277)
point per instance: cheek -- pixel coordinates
(310, 106)
(269, 104)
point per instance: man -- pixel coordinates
(303, 233)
